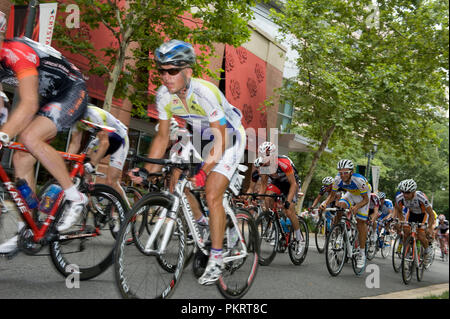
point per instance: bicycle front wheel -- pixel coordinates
(298, 247)
(269, 236)
(87, 247)
(320, 236)
(408, 263)
(149, 273)
(421, 267)
(336, 249)
(371, 245)
(240, 269)
(397, 253)
(386, 245)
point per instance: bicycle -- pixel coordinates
(397, 245)
(412, 255)
(277, 234)
(84, 247)
(443, 245)
(322, 229)
(342, 244)
(383, 241)
(140, 269)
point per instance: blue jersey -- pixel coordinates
(387, 206)
(358, 184)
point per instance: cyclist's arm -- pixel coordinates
(431, 221)
(329, 199)
(218, 148)
(316, 201)
(103, 145)
(27, 107)
(159, 145)
(263, 184)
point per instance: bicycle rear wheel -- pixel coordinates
(320, 235)
(408, 264)
(421, 267)
(356, 270)
(336, 249)
(240, 271)
(269, 236)
(141, 274)
(88, 246)
(397, 253)
(371, 245)
(298, 248)
(9, 216)
(386, 246)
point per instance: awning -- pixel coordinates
(291, 142)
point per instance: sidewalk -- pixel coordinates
(435, 290)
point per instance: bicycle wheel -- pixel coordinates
(133, 195)
(421, 267)
(356, 270)
(8, 219)
(335, 249)
(87, 247)
(371, 245)
(141, 274)
(320, 235)
(269, 236)
(408, 264)
(298, 247)
(386, 246)
(240, 271)
(397, 253)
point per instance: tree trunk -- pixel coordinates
(325, 139)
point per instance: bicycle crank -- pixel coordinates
(26, 242)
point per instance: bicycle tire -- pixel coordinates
(397, 253)
(239, 275)
(407, 261)
(336, 241)
(133, 194)
(269, 236)
(387, 244)
(371, 245)
(139, 274)
(298, 259)
(421, 267)
(93, 259)
(320, 236)
(356, 270)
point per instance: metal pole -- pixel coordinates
(31, 18)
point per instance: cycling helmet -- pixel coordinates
(408, 185)
(258, 161)
(381, 195)
(175, 52)
(345, 163)
(3, 22)
(267, 149)
(328, 181)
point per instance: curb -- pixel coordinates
(414, 293)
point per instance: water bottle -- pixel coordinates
(27, 193)
(284, 225)
(49, 198)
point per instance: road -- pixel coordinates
(34, 277)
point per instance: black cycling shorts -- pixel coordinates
(66, 108)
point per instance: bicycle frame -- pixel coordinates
(25, 212)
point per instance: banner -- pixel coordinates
(375, 178)
(47, 19)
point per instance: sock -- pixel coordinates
(72, 194)
(298, 234)
(216, 254)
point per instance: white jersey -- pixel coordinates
(99, 116)
(416, 205)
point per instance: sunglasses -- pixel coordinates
(345, 172)
(407, 192)
(173, 71)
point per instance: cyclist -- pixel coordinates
(419, 210)
(386, 213)
(115, 144)
(205, 107)
(282, 178)
(356, 199)
(374, 207)
(53, 97)
(442, 234)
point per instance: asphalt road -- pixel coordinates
(34, 277)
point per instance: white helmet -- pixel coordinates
(345, 163)
(266, 149)
(441, 217)
(407, 185)
(328, 181)
(258, 161)
(381, 195)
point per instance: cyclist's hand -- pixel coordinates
(138, 175)
(89, 168)
(4, 139)
(322, 207)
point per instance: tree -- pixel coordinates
(367, 73)
(140, 26)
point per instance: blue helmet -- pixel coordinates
(175, 52)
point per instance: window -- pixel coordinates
(285, 117)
